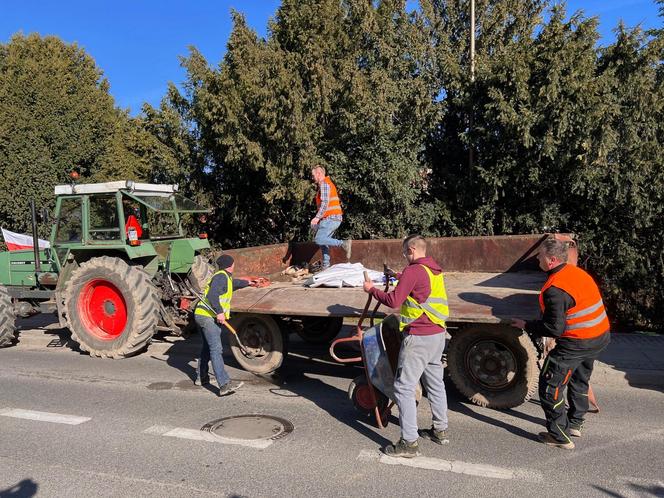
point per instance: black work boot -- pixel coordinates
(403, 449)
(438, 437)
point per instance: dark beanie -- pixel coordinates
(225, 261)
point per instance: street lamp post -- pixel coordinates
(472, 79)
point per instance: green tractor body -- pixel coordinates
(119, 267)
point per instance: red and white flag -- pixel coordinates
(17, 241)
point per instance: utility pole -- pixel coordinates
(472, 40)
(472, 79)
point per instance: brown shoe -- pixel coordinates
(548, 439)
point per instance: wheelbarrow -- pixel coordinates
(373, 392)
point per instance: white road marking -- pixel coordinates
(195, 434)
(458, 467)
(56, 418)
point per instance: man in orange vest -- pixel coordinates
(328, 217)
(572, 312)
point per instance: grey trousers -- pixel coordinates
(420, 357)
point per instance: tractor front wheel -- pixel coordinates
(112, 308)
(7, 318)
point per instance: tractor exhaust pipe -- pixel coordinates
(35, 238)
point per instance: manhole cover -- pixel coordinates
(251, 427)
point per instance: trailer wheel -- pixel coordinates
(7, 318)
(200, 273)
(320, 329)
(112, 308)
(360, 395)
(493, 366)
(263, 341)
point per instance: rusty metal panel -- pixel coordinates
(506, 253)
(261, 260)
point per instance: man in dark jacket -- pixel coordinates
(572, 312)
(423, 300)
(211, 314)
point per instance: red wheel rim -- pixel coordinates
(102, 309)
(363, 397)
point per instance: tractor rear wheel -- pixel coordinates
(112, 308)
(7, 318)
(200, 273)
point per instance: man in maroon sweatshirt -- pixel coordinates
(422, 298)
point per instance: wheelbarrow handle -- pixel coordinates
(353, 338)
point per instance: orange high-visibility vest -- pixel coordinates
(334, 204)
(587, 319)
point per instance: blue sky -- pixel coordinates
(137, 43)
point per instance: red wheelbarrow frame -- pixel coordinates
(381, 417)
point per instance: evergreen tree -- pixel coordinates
(55, 115)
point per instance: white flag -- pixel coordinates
(17, 241)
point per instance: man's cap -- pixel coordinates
(225, 261)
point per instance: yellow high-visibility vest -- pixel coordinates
(435, 306)
(204, 308)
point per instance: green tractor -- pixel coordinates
(119, 267)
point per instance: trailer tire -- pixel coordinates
(200, 273)
(263, 340)
(7, 318)
(494, 366)
(112, 309)
(320, 329)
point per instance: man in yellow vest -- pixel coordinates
(328, 217)
(211, 314)
(572, 312)
(422, 297)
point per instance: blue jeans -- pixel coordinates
(420, 357)
(326, 228)
(211, 350)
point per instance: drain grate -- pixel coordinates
(250, 427)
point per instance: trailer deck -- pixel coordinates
(473, 297)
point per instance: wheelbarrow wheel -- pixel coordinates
(359, 393)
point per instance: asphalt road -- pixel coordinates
(71, 425)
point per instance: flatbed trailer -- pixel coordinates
(489, 280)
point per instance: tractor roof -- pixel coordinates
(108, 187)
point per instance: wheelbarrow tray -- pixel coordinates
(380, 354)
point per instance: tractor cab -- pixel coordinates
(118, 215)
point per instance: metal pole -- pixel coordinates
(472, 79)
(35, 238)
(472, 40)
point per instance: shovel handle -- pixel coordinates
(366, 276)
(230, 327)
